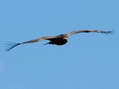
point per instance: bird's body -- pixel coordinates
(58, 41)
(61, 39)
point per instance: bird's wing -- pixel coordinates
(13, 45)
(38, 39)
(87, 31)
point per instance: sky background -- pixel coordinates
(88, 61)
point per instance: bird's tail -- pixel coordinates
(11, 45)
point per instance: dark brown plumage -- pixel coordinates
(59, 39)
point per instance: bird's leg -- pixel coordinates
(46, 43)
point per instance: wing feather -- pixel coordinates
(87, 31)
(13, 45)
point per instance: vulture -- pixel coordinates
(59, 40)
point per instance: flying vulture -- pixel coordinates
(58, 39)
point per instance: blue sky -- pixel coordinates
(88, 61)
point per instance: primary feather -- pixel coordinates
(87, 31)
(11, 46)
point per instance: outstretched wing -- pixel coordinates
(87, 31)
(38, 39)
(13, 45)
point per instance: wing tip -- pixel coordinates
(106, 32)
(12, 46)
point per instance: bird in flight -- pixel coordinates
(58, 39)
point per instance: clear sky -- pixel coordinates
(88, 61)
